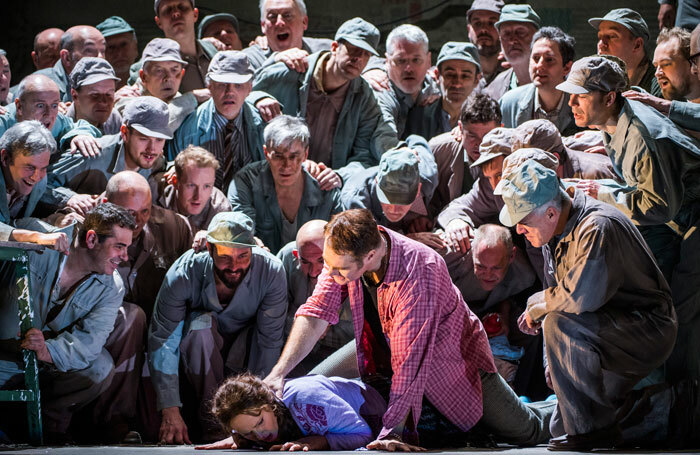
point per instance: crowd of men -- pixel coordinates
(507, 219)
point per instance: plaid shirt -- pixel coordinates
(437, 344)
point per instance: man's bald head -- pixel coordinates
(125, 184)
(492, 254)
(311, 232)
(35, 83)
(130, 190)
(47, 44)
(37, 98)
(78, 42)
(695, 41)
(309, 250)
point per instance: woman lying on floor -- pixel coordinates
(315, 413)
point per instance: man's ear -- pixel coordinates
(567, 68)
(64, 55)
(295, 252)
(158, 23)
(91, 239)
(4, 157)
(512, 255)
(610, 98)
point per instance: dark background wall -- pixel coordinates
(443, 20)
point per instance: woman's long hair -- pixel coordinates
(248, 394)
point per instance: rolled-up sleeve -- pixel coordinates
(165, 334)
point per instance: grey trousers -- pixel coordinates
(509, 418)
(126, 345)
(206, 358)
(342, 363)
(595, 359)
(63, 393)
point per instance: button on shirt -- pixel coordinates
(438, 345)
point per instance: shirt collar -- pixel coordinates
(318, 71)
(540, 109)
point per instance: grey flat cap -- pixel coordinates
(148, 115)
(518, 157)
(232, 229)
(526, 188)
(162, 50)
(230, 67)
(497, 142)
(539, 133)
(519, 13)
(628, 18)
(398, 176)
(453, 50)
(596, 73)
(114, 25)
(215, 18)
(495, 6)
(359, 33)
(91, 70)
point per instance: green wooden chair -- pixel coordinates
(18, 253)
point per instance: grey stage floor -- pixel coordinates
(180, 450)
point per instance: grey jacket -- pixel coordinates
(75, 174)
(76, 334)
(252, 191)
(189, 290)
(518, 106)
(357, 121)
(601, 260)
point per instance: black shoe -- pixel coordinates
(606, 438)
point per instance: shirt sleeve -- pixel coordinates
(331, 416)
(76, 348)
(685, 114)
(591, 275)
(477, 207)
(269, 335)
(653, 193)
(325, 301)
(165, 334)
(240, 192)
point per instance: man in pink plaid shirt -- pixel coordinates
(412, 327)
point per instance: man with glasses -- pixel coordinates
(278, 193)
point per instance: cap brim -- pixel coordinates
(98, 78)
(165, 59)
(485, 158)
(150, 133)
(464, 59)
(569, 87)
(595, 22)
(231, 78)
(117, 32)
(230, 244)
(362, 45)
(381, 195)
(507, 220)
